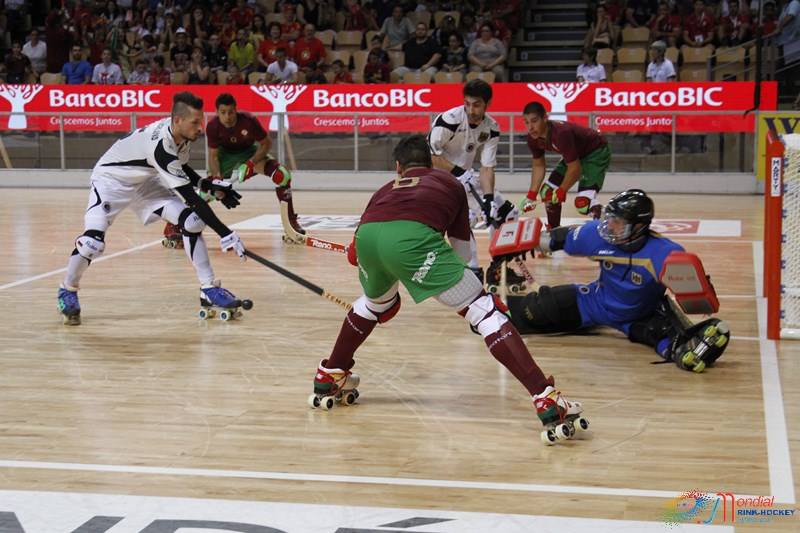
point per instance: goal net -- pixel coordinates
(782, 237)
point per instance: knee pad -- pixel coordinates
(377, 312)
(190, 223)
(278, 173)
(661, 324)
(549, 309)
(585, 200)
(486, 314)
(90, 245)
(464, 292)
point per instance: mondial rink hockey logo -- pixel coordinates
(18, 96)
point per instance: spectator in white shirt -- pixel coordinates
(661, 68)
(139, 75)
(589, 71)
(106, 73)
(36, 51)
(282, 70)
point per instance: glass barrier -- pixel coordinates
(704, 141)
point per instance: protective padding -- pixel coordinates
(190, 223)
(487, 314)
(683, 274)
(516, 237)
(377, 312)
(90, 245)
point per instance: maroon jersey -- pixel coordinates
(246, 132)
(573, 142)
(430, 196)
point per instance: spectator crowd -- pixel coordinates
(247, 41)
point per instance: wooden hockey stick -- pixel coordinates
(308, 240)
(316, 289)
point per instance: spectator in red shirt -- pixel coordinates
(308, 49)
(158, 74)
(354, 17)
(290, 27)
(242, 14)
(376, 71)
(340, 72)
(769, 22)
(268, 47)
(665, 27)
(735, 28)
(698, 28)
(234, 75)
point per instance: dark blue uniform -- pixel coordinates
(628, 288)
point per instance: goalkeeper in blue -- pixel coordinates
(637, 266)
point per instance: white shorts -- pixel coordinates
(108, 197)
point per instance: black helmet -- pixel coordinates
(633, 207)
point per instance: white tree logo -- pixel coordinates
(18, 96)
(559, 95)
(280, 96)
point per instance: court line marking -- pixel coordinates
(60, 270)
(781, 480)
(366, 480)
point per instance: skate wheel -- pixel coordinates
(563, 432)
(721, 341)
(313, 401)
(688, 359)
(72, 320)
(493, 289)
(327, 402)
(247, 304)
(699, 367)
(548, 437)
(349, 398)
(225, 315)
(165, 242)
(580, 424)
(515, 289)
(710, 331)
(203, 314)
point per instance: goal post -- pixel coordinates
(782, 236)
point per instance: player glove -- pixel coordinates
(244, 172)
(528, 203)
(278, 173)
(232, 242)
(552, 194)
(352, 258)
(220, 189)
(489, 209)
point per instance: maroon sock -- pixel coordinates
(355, 330)
(284, 194)
(553, 215)
(507, 347)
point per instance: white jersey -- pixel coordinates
(146, 153)
(453, 138)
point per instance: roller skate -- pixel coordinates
(172, 237)
(214, 300)
(515, 283)
(707, 341)
(69, 306)
(561, 418)
(333, 385)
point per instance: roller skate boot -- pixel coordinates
(515, 283)
(707, 342)
(214, 300)
(561, 418)
(172, 237)
(333, 385)
(69, 306)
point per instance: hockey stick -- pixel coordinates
(316, 289)
(308, 240)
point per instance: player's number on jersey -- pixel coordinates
(402, 182)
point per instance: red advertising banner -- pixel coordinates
(393, 108)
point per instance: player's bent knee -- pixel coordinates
(551, 309)
(190, 223)
(380, 312)
(463, 293)
(486, 314)
(91, 244)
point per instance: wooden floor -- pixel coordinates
(143, 383)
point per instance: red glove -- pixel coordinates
(551, 194)
(352, 258)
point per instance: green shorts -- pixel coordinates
(230, 159)
(409, 252)
(593, 168)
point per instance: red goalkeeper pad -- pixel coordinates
(516, 237)
(683, 274)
